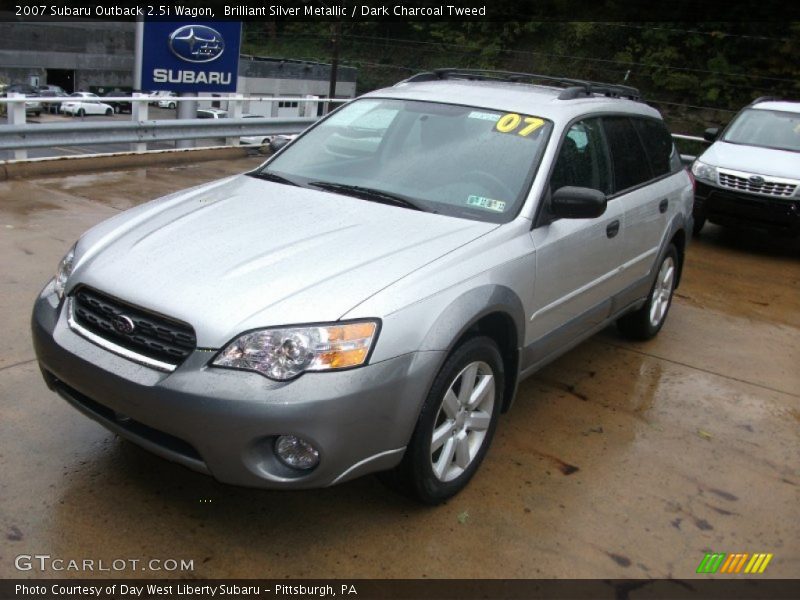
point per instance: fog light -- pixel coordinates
(296, 452)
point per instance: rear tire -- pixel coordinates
(109, 112)
(645, 323)
(455, 426)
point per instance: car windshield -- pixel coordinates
(766, 128)
(457, 160)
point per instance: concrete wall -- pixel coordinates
(100, 53)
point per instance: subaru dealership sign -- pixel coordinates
(190, 57)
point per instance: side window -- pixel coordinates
(582, 160)
(658, 145)
(631, 166)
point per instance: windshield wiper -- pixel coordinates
(368, 194)
(270, 176)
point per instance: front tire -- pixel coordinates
(81, 112)
(645, 323)
(455, 426)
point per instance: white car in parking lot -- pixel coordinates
(85, 103)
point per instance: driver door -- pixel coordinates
(577, 260)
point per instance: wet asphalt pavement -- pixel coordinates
(619, 460)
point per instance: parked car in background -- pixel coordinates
(161, 96)
(85, 103)
(49, 87)
(211, 113)
(21, 88)
(54, 105)
(323, 316)
(119, 106)
(255, 140)
(750, 175)
(32, 107)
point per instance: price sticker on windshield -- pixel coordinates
(518, 124)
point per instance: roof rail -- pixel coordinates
(576, 88)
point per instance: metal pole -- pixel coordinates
(138, 50)
(336, 31)
(186, 110)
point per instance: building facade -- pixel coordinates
(99, 56)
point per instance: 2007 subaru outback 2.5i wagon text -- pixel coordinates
(369, 298)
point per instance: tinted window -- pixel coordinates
(657, 143)
(628, 157)
(582, 160)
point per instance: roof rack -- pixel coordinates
(576, 88)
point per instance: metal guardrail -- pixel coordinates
(19, 135)
(137, 132)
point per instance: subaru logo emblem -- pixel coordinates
(196, 43)
(123, 324)
(757, 180)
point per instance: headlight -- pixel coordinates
(64, 271)
(287, 352)
(703, 171)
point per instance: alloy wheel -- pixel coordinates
(463, 420)
(662, 292)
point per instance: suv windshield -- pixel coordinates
(462, 161)
(767, 128)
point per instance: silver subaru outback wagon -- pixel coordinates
(369, 299)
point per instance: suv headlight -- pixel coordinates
(284, 353)
(703, 171)
(63, 272)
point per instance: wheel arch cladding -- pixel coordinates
(678, 240)
(492, 310)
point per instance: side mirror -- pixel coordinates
(277, 143)
(711, 134)
(577, 203)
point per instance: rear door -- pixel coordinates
(640, 198)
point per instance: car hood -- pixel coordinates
(753, 159)
(245, 253)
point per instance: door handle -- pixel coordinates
(612, 229)
(662, 206)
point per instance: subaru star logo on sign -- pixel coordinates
(190, 57)
(196, 43)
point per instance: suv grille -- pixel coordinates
(769, 188)
(151, 335)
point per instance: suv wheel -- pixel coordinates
(646, 322)
(455, 426)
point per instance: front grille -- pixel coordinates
(152, 336)
(744, 184)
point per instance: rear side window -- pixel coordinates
(657, 143)
(628, 158)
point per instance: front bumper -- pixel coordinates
(223, 422)
(731, 207)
